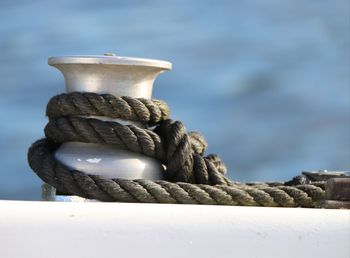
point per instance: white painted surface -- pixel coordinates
(54, 229)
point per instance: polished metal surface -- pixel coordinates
(119, 76)
(107, 161)
(109, 58)
(323, 175)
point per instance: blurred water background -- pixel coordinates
(267, 82)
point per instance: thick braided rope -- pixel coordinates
(181, 154)
(191, 177)
(107, 105)
(97, 187)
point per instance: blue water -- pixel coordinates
(267, 82)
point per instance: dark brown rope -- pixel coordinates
(91, 104)
(190, 177)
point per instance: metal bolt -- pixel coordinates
(48, 192)
(323, 175)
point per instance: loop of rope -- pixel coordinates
(107, 105)
(181, 157)
(190, 176)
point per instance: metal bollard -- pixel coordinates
(119, 76)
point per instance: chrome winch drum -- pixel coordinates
(119, 76)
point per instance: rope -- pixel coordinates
(190, 177)
(91, 104)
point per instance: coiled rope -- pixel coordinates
(190, 177)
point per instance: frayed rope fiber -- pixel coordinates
(190, 177)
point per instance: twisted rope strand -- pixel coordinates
(92, 104)
(74, 182)
(178, 156)
(191, 177)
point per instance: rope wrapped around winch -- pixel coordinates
(190, 177)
